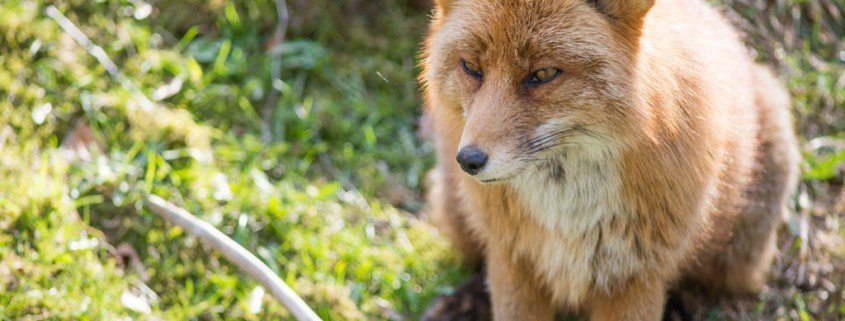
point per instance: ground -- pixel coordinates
(319, 172)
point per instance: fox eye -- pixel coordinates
(471, 69)
(543, 76)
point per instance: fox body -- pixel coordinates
(606, 150)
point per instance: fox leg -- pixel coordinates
(753, 245)
(640, 300)
(741, 267)
(513, 292)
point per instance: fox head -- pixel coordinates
(529, 80)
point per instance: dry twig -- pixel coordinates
(235, 253)
(275, 70)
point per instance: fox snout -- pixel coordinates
(490, 161)
(487, 150)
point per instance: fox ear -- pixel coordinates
(626, 10)
(442, 5)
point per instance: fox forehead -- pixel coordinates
(526, 34)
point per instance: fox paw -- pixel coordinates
(471, 301)
(676, 309)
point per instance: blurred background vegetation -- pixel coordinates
(319, 172)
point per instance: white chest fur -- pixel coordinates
(572, 199)
(571, 195)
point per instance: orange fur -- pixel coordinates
(661, 153)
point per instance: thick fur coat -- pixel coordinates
(630, 146)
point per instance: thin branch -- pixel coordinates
(284, 19)
(235, 253)
(275, 69)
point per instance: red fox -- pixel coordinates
(597, 153)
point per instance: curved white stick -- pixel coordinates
(235, 253)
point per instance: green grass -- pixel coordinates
(349, 251)
(331, 201)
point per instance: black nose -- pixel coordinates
(472, 159)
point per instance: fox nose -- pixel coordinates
(472, 159)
